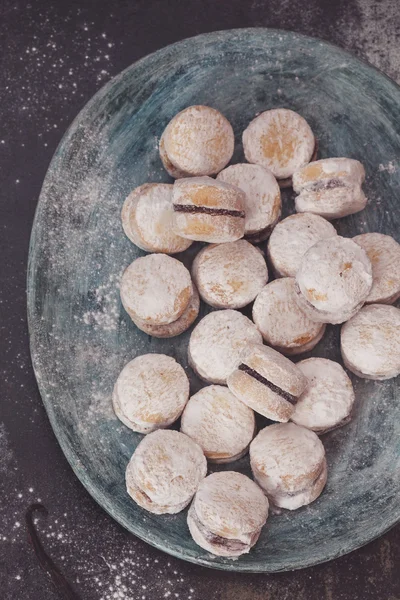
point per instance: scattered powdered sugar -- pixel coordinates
(47, 77)
(100, 406)
(6, 453)
(390, 167)
(106, 298)
(121, 568)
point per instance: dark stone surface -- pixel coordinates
(52, 61)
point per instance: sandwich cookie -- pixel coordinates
(156, 289)
(280, 140)
(227, 514)
(217, 341)
(262, 198)
(197, 141)
(267, 382)
(147, 219)
(165, 471)
(334, 280)
(292, 237)
(221, 424)
(281, 322)
(384, 253)
(207, 210)
(176, 327)
(330, 187)
(288, 462)
(150, 393)
(229, 275)
(370, 342)
(327, 402)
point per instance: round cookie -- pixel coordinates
(150, 393)
(165, 471)
(281, 322)
(221, 424)
(217, 341)
(330, 187)
(227, 514)
(280, 140)
(156, 289)
(147, 219)
(292, 237)
(262, 198)
(207, 210)
(229, 275)
(197, 141)
(384, 254)
(289, 464)
(267, 382)
(370, 342)
(334, 280)
(327, 402)
(176, 327)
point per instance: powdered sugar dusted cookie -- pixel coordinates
(227, 514)
(150, 393)
(229, 275)
(330, 187)
(280, 140)
(176, 327)
(384, 253)
(262, 198)
(165, 471)
(370, 342)
(221, 424)
(156, 289)
(288, 462)
(334, 280)
(327, 402)
(267, 382)
(282, 323)
(207, 210)
(292, 237)
(217, 341)
(147, 219)
(197, 141)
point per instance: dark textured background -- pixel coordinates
(52, 60)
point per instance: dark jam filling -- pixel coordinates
(285, 395)
(205, 210)
(331, 184)
(217, 540)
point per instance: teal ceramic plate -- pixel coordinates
(81, 337)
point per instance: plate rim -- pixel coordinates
(69, 453)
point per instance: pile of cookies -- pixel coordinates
(320, 278)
